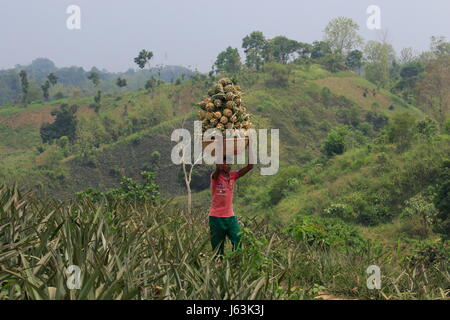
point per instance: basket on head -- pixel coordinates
(237, 145)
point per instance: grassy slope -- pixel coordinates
(301, 111)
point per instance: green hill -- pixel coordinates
(132, 125)
(368, 185)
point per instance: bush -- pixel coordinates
(288, 180)
(129, 190)
(340, 210)
(64, 125)
(326, 232)
(335, 142)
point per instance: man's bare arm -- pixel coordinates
(245, 170)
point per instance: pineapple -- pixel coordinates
(230, 96)
(229, 88)
(209, 115)
(223, 107)
(227, 112)
(218, 88)
(231, 104)
(225, 81)
(224, 120)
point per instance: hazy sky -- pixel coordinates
(192, 33)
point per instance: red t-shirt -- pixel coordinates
(222, 191)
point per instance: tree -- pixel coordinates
(151, 84)
(335, 142)
(52, 79)
(442, 202)
(333, 62)
(407, 56)
(25, 85)
(401, 130)
(45, 89)
(254, 45)
(379, 58)
(143, 58)
(341, 34)
(303, 50)
(64, 125)
(434, 90)
(121, 82)
(281, 49)
(439, 46)
(410, 74)
(354, 60)
(228, 61)
(94, 77)
(320, 49)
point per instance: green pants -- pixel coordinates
(220, 228)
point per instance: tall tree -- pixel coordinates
(254, 45)
(354, 60)
(94, 77)
(143, 58)
(52, 79)
(379, 57)
(341, 33)
(121, 82)
(281, 49)
(434, 90)
(25, 85)
(45, 89)
(439, 46)
(228, 61)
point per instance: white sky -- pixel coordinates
(192, 33)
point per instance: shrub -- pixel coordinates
(64, 125)
(326, 232)
(335, 142)
(129, 190)
(286, 181)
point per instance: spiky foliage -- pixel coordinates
(128, 250)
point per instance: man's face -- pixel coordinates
(224, 167)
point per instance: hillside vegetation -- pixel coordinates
(364, 179)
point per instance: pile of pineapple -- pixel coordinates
(223, 108)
